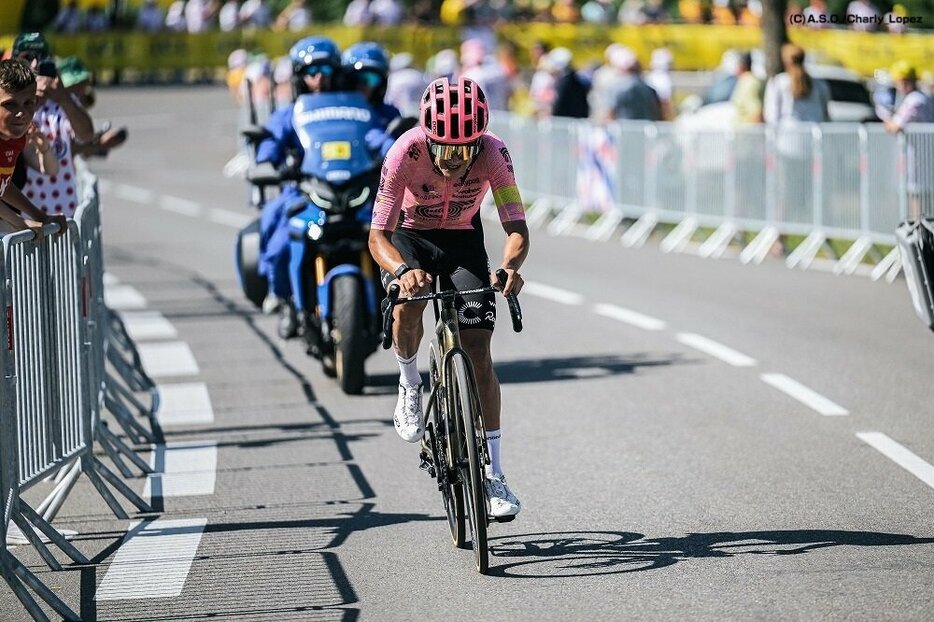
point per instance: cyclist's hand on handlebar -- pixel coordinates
(413, 282)
(514, 281)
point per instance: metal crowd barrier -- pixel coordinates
(845, 181)
(55, 341)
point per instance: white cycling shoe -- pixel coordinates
(502, 500)
(408, 415)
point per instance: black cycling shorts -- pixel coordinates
(459, 258)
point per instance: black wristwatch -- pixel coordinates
(402, 269)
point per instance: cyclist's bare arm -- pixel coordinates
(515, 250)
(388, 258)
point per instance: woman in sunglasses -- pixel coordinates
(426, 221)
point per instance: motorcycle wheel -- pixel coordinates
(255, 286)
(349, 334)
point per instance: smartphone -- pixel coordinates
(47, 68)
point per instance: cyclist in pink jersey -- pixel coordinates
(426, 221)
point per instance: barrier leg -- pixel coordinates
(125, 449)
(53, 503)
(90, 470)
(36, 541)
(23, 574)
(122, 488)
(113, 454)
(52, 534)
(125, 418)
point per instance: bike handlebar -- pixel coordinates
(515, 311)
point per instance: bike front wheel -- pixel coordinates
(443, 432)
(465, 405)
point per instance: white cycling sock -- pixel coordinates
(492, 445)
(409, 371)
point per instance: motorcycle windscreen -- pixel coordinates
(332, 128)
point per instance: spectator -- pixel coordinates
(597, 12)
(660, 81)
(236, 70)
(228, 17)
(543, 88)
(77, 78)
(282, 82)
(915, 107)
(61, 119)
(815, 15)
(864, 15)
(386, 12)
(691, 11)
(255, 14)
(68, 20)
(97, 19)
(197, 16)
(175, 17)
(630, 97)
(655, 12)
(442, 65)
(749, 13)
(358, 13)
(748, 94)
(295, 16)
(632, 12)
(564, 12)
(17, 104)
(722, 13)
(892, 19)
(406, 85)
(570, 91)
(150, 17)
(793, 98)
(477, 65)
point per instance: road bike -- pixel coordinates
(453, 450)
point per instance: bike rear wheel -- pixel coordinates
(465, 404)
(442, 433)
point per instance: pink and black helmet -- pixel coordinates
(454, 113)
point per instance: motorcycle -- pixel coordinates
(335, 280)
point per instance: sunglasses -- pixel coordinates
(370, 79)
(448, 152)
(313, 70)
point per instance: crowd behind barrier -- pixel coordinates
(694, 46)
(830, 181)
(57, 338)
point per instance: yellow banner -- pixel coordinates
(694, 46)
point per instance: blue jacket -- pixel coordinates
(284, 138)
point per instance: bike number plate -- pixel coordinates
(335, 150)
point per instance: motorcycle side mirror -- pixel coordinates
(264, 174)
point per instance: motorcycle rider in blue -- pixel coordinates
(316, 67)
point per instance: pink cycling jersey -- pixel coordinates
(413, 188)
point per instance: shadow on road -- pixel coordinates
(552, 369)
(589, 553)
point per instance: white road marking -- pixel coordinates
(628, 316)
(805, 395)
(134, 193)
(153, 561)
(154, 121)
(228, 218)
(182, 470)
(180, 206)
(110, 279)
(716, 350)
(552, 293)
(143, 325)
(121, 297)
(168, 359)
(900, 455)
(184, 404)
(105, 186)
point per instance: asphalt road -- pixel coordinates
(663, 427)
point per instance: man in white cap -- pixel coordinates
(405, 85)
(630, 97)
(570, 90)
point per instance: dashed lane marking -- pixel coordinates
(805, 395)
(716, 350)
(554, 294)
(900, 455)
(173, 358)
(148, 325)
(628, 316)
(122, 297)
(184, 469)
(153, 561)
(184, 404)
